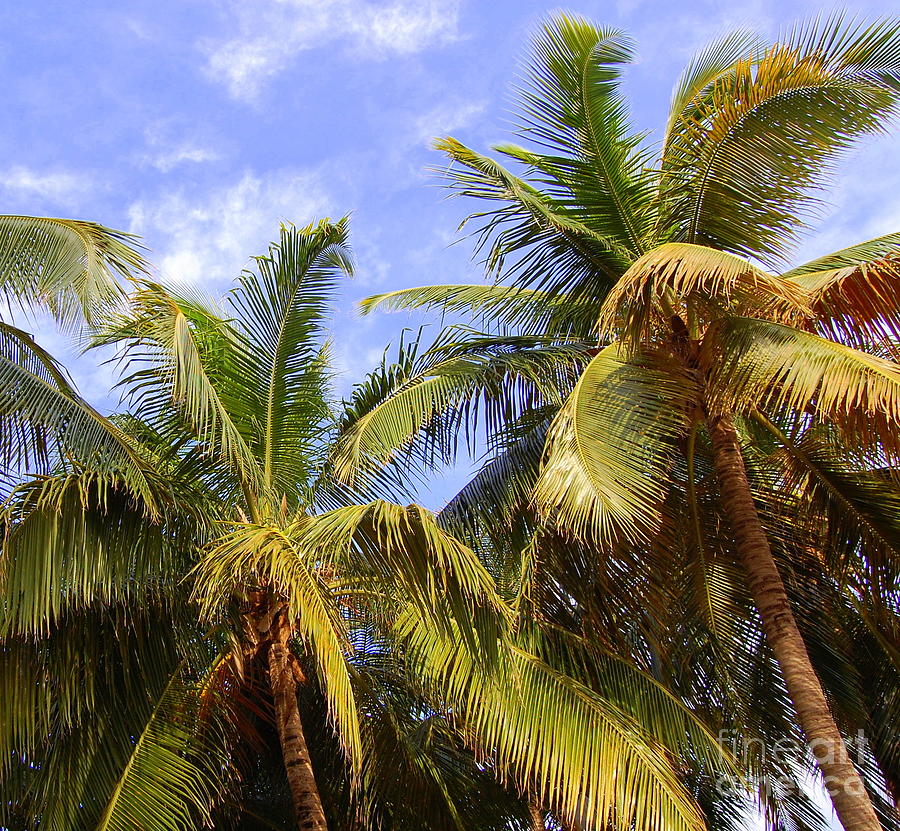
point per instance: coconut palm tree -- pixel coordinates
(674, 256)
(216, 494)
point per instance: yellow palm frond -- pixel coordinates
(609, 449)
(684, 278)
(760, 363)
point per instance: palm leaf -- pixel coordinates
(172, 777)
(857, 304)
(250, 557)
(769, 365)
(404, 547)
(533, 238)
(184, 352)
(443, 393)
(694, 279)
(43, 423)
(581, 755)
(732, 180)
(66, 265)
(571, 104)
(281, 307)
(861, 252)
(530, 309)
(708, 66)
(609, 448)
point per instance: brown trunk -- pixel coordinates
(536, 815)
(848, 795)
(297, 764)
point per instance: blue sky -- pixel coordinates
(202, 124)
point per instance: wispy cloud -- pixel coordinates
(167, 160)
(445, 118)
(60, 187)
(269, 34)
(208, 237)
(168, 147)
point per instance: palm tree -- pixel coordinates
(218, 494)
(675, 255)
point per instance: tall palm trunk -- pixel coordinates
(535, 815)
(848, 794)
(297, 763)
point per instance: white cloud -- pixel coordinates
(270, 33)
(209, 237)
(59, 186)
(169, 148)
(445, 118)
(169, 159)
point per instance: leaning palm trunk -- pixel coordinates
(848, 794)
(535, 815)
(297, 763)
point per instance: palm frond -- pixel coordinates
(769, 365)
(529, 309)
(184, 352)
(443, 393)
(857, 304)
(706, 67)
(532, 239)
(853, 255)
(74, 541)
(581, 755)
(252, 557)
(696, 281)
(738, 166)
(404, 547)
(280, 308)
(609, 448)
(66, 265)
(854, 507)
(44, 423)
(571, 105)
(172, 777)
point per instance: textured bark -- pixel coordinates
(297, 763)
(848, 795)
(536, 815)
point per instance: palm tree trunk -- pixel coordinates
(297, 763)
(535, 815)
(848, 794)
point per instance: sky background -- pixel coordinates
(203, 124)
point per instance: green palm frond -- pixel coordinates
(730, 181)
(404, 547)
(585, 758)
(44, 423)
(280, 308)
(706, 67)
(172, 777)
(75, 541)
(862, 252)
(501, 488)
(769, 365)
(447, 390)
(571, 104)
(609, 449)
(184, 352)
(532, 238)
(76, 699)
(856, 507)
(66, 265)
(530, 309)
